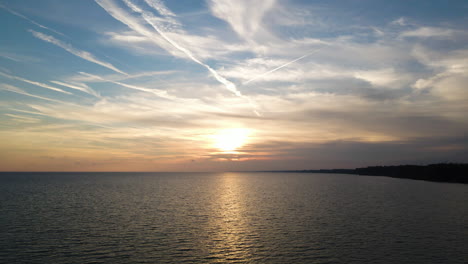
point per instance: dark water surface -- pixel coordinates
(230, 217)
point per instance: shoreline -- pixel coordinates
(440, 172)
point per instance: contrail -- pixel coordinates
(30, 20)
(43, 85)
(13, 89)
(162, 94)
(79, 53)
(118, 14)
(149, 19)
(228, 84)
(83, 88)
(280, 67)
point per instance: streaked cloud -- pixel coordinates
(154, 22)
(23, 119)
(244, 19)
(80, 53)
(80, 87)
(43, 85)
(159, 93)
(280, 67)
(429, 32)
(30, 20)
(13, 89)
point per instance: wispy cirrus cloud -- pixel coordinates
(80, 87)
(79, 53)
(204, 47)
(152, 20)
(161, 8)
(133, 23)
(244, 19)
(30, 20)
(162, 94)
(43, 85)
(170, 21)
(10, 57)
(23, 119)
(280, 67)
(429, 32)
(18, 57)
(14, 89)
(119, 77)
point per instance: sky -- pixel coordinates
(223, 85)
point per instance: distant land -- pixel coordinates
(442, 172)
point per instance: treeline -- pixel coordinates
(443, 172)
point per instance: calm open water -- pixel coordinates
(230, 217)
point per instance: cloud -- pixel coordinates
(400, 22)
(128, 37)
(80, 87)
(384, 77)
(43, 85)
(429, 32)
(18, 57)
(351, 153)
(79, 53)
(153, 21)
(394, 86)
(244, 19)
(162, 94)
(203, 47)
(228, 84)
(170, 22)
(280, 67)
(142, 116)
(310, 72)
(8, 56)
(30, 20)
(161, 8)
(150, 19)
(126, 18)
(13, 89)
(23, 119)
(118, 77)
(452, 88)
(453, 61)
(448, 78)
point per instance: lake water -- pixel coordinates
(230, 218)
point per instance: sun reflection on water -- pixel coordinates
(233, 235)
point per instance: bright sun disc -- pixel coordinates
(229, 140)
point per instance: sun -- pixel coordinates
(229, 140)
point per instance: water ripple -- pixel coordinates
(230, 218)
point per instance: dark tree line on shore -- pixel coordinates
(443, 172)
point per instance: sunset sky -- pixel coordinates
(215, 85)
